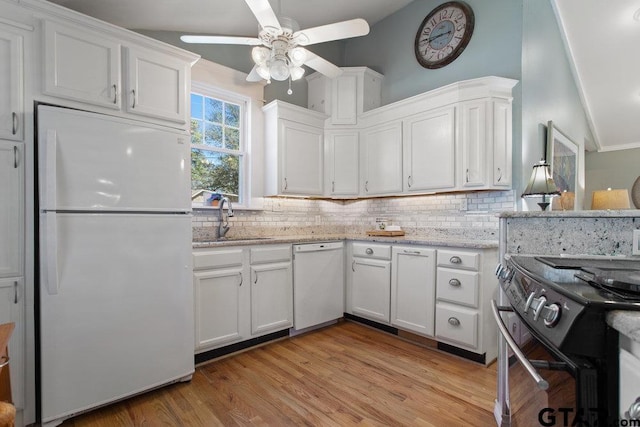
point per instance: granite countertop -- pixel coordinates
(625, 322)
(623, 213)
(411, 240)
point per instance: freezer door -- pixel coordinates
(93, 162)
(116, 309)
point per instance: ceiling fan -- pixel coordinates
(279, 53)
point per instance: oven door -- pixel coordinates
(545, 387)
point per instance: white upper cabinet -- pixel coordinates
(11, 208)
(429, 151)
(156, 85)
(82, 65)
(502, 134)
(294, 150)
(341, 163)
(473, 144)
(381, 160)
(11, 83)
(345, 97)
(97, 68)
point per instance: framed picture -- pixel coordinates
(562, 156)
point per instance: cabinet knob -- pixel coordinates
(455, 282)
(453, 321)
(455, 260)
(634, 410)
(369, 251)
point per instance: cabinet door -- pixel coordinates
(502, 143)
(381, 160)
(271, 297)
(429, 151)
(11, 208)
(156, 85)
(81, 65)
(11, 310)
(11, 85)
(344, 106)
(301, 158)
(342, 156)
(371, 288)
(218, 307)
(473, 144)
(413, 288)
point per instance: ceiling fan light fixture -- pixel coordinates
(296, 73)
(298, 56)
(260, 55)
(279, 69)
(263, 71)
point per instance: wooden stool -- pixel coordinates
(7, 414)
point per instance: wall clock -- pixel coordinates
(444, 34)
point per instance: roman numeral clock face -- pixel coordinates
(444, 34)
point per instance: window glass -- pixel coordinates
(217, 149)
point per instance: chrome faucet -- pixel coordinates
(223, 226)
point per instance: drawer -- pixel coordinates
(457, 324)
(459, 259)
(264, 254)
(458, 286)
(365, 250)
(218, 258)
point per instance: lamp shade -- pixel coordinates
(541, 183)
(610, 199)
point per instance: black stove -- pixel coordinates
(565, 299)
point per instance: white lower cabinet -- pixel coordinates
(241, 293)
(12, 310)
(465, 285)
(370, 282)
(413, 287)
(271, 290)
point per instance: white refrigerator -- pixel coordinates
(115, 289)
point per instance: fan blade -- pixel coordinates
(322, 65)
(251, 41)
(253, 75)
(264, 14)
(339, 30)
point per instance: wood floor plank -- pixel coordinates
(343, 375)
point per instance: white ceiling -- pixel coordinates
(602, 37)
(604, 42)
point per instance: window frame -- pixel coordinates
(244, 151)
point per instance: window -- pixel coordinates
(218, 148)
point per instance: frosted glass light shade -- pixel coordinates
(298, 55)
(260, 55)
(296, 73)
(279, 70)
(263, 71)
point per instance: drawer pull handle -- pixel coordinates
(14, 123)
(115, 94)
(409, 181)
(255, 281)
(369, 251)
(455, 282)
(411, 252)
(286, 184)
(333, 186)
(133, 105)
(241, 279)
(15, 157)
(15, 291)
(499, 175)
(454, 321)
(455, 260)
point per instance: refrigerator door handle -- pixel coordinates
(50, 258)
(50, 169)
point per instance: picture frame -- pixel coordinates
(562, 157)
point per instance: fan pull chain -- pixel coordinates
(289, 92)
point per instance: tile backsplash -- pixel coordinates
(445, 213)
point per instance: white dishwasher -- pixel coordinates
(318, 284)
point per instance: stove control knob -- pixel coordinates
(536, 304)
(551, 315)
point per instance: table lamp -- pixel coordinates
(541, 184)
(610, 199)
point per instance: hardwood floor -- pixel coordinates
(346, 374)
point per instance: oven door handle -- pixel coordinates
(541, 382)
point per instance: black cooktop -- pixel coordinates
(609, 283)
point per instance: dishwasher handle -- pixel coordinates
(315, 247)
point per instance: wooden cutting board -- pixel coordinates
(385, 233)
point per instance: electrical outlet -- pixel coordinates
(636, 243)
(463, 205)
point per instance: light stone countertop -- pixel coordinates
(625, 322)
(425, 240)
(623, 213)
